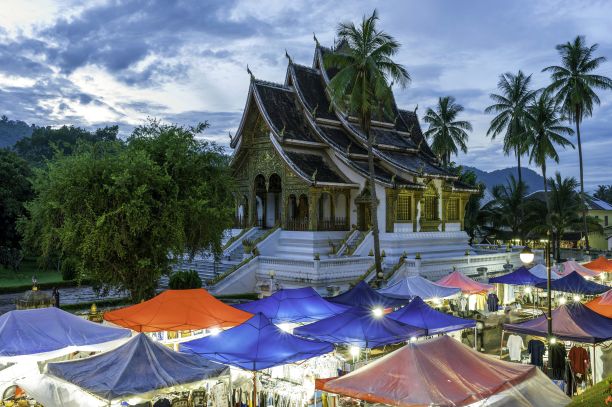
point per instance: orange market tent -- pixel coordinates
(572, 265)
(178, 310)
(602, 304)
(600, 264)
(444, 372)
(466, 284)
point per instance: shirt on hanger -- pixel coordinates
(579, 359)
(536, 349)
(515, 345)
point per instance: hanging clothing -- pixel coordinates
(492, 302)
(515, 346)
(556, 360)
(463, 303)
(579, 358)
(536, 349)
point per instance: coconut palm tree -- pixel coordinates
(575, 83)
(545, 131)
(447, 134)
(504, 214)
(509, 106)
(362, 87)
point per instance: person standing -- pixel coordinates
(56, 297)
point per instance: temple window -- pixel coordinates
(452, 209)
(404, 206)
(431, 207)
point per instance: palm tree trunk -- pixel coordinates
(584, 222)
(520, 173)
(373, 207)
(547, 198)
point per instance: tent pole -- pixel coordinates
(475, 338)
(501, 345)
(255, 388)
(594, 366)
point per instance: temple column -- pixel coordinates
(313, 208)
(417, 209)
(390, 208)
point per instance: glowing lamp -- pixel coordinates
(526, 255)
(378, 312)
(355, 351)
(562, 300)
(576, 298)
(215, 331)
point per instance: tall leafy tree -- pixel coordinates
(124, 211)
(546, 131)
(362, 87)
(15, 191)
(604, 192)
(447, 134)
(510, 106)
(575, 83)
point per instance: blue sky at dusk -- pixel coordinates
(105, 62)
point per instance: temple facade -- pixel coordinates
(302, 164)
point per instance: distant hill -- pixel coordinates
(12, 131)
(534, 181)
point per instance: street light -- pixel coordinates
(378, 312)
(526, 255)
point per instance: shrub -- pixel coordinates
(69, 269)
(184, 280)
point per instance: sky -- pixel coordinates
(98, 62)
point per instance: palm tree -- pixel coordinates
(504, 215)
(509, 107)
(545, 130)
(447, 134)
(575, 85)
(362, 87)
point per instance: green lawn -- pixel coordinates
(23, 277)
(595, 396)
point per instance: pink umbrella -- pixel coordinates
(572, 265)
(466, 284)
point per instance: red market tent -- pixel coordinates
(466, 284)
(178, 310)
(444, 372)
(572, 265)
(602, 305)
(600, 264)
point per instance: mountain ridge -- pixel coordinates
(532, 179)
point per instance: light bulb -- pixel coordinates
(528, 290)
(355, 351)
(553, 341)
(413, 339)
(215, 331)
(378, 312)
(576, 298)
(562, 300)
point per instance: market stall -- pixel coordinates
(136, 372)
(178, 310)
(417, 286)
(574, 283)
(600, 264)
(255, 345)
(539, 270)
(523, 281)
(571, 266)
(443, 372)
(474, 292)
(359, 327)
(290, 306)
(421, 315)
(602, 305)
(362, 295)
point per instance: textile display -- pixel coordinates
(457, 279)
(178, 310)
(536, 349)
(299, 305)
(556, 360)
(574, 283)
(515, 346)
(46, 333)
(417, 286)
(362, 295)
(442, 371)
(359, 327)
(492, 302)
(256, 344)
(418, 314)
(579, 359)
(570, 322)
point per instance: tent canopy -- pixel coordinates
(50, 330)
(293, 305)
(255, 345)
(602, 305)
(539, 270)
(359, 327)
(362, 295)
(466, 284)
(177, 310)
(576, 284)
(572, 265)
(520, 276)
(421, 315)
(138, 366)
(571, 322)
(600, 264)
(444, 372)
(417, 286)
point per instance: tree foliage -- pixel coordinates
(15, 191)
(604, 192)
(124, 211)
(184, 280)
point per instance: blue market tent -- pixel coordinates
(417, 286)
(51, 332)
(539, 270)
(359, 327)
(576, 284)
(571, 322)
(293, 305)
(362, 295)
(256, 344)
(421, 315)
(520, 276)
(138, 366)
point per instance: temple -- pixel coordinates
(301, 170)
